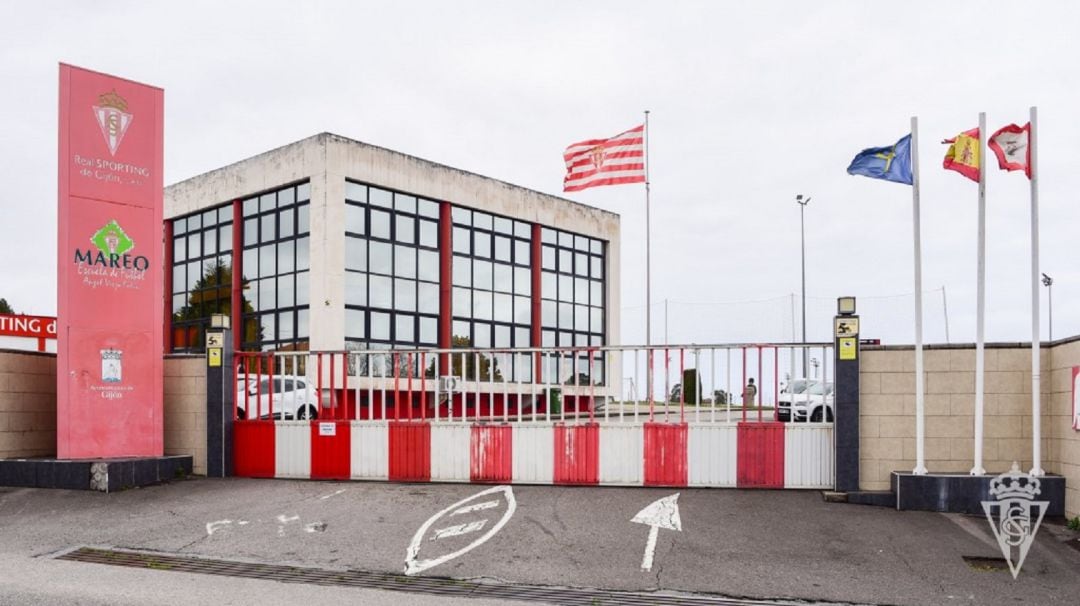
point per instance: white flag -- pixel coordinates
(1010, 144)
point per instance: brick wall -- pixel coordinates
(1063, 453)
(27, 404)
(185, 408)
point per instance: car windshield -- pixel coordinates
(796, 386)
(817, 387)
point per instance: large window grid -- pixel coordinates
(391, 271)
(201, 274)
(492, 289)
(276, 269)
(572, 306)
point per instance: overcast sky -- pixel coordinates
(751, 103)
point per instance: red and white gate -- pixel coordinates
(541, 416)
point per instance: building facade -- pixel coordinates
(330, 244)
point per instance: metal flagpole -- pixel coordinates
(1036, 408)
(980, 353)
(648, 265)
(920, 409)
(945, 307)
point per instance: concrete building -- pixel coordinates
(331, 244)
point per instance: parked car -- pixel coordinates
(293, 398)
(803, 400)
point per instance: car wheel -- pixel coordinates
(815, 417)
(240, 414)
(308, 413)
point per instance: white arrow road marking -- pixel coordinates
(212, 527)
(413, 566)
(458, 530)
(477, 507)
(662, 513)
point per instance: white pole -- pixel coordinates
(1036, 408)
(980, 353)
(648, 265)
(945, 308)
(920, 408)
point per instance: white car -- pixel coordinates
(293, 398)
(803, 400)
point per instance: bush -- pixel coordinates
(1074, 524)
(691, 385)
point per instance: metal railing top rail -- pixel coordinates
(568, 349)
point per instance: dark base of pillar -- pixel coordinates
(962, 493)
(105, 475)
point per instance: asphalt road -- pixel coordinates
(762, 544)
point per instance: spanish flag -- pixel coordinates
(963, 154)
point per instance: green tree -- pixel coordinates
(5, 308)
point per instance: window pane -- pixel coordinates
(267, 202)
(355, 192)
(461, 335)
(302, 250)
(303, 192)
(195, 245)
(566, 239)
(225, 238)
(354, 324)
(380, 224)
(596, 322)
(286, 292)
(285, 326)
(597, 246)
(267, 294)
(267, 260)
(179, 301)
(482, 244)
(427, 298)
(405, 261)
(303, 221)
(179, 284)
(566, 261)
(502, 248)
(179, 249)
(251, 263)
(504, 308)
(548, 338)
(302, 324)
(404, 295)
(482, 274)
(548, 314)
(548, 285)
(405, 229)
(355, 288)
(549, 258)
(286, 256)
(581, 291)
(355, 253)
(522, 281)
(428, 208)
(462, 216)
(482, 220)
(179, 226)
(405, 203)
(581, 243)
(380, 197)
(522, 229)
(504, 278)
(598, 267)
(404, 326)
(380, 291)
(522, 252)
(429, 233)
(210, 242)
(251, 231)
(581, 318)
(380, 326)
(428, 265)
(303, 290)
(463, 302)
(481, 305)
(429, 331)
(581, 264)
(522, 338)
(285, 222)
(502, 336)
(462, 271)
(523, 310)
(268, 228)
(566, 315)
(380, 255)
(355, 221)
(461, 241)
(266, 327)
(566, 288)
(597, 292)
(548, 236)
(251, 206)
(481, 334)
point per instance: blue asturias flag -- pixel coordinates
(892, 163)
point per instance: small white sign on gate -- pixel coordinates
(327, 429)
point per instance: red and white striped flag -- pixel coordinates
(620, 159)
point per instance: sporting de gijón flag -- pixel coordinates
(1010, 145)
(891, 163)
(963, 154)
(620, 159)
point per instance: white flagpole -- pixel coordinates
(1036, 408)
(920, 408)
(980, 353)
(648, 266)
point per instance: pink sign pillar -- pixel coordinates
(109, 267)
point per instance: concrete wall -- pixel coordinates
(27, 404)
(185, 408)
(887, 412)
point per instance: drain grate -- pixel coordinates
(985, 564)
(398, 582)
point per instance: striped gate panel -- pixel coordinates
(622, 451)
(292, 449)
(577, 454)
(665, 454)
(369, 446)
(761, 455)
(450, 456)
(253, 449)
(410, 451)
(330, 450)
(492, 453)
(808, 456)
(534, 454)
(712, 454)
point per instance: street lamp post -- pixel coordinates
(802, 239)
(1048, 282)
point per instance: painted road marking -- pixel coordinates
(477, 507)
(458, 530)
(332, 494)
(212, 527)
(414, 565)
(662, 513)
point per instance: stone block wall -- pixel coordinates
(1063, 452)
(185, 408)
(27, 404)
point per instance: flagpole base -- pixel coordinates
(977, 471)
(920, 471)
(1038, 472)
